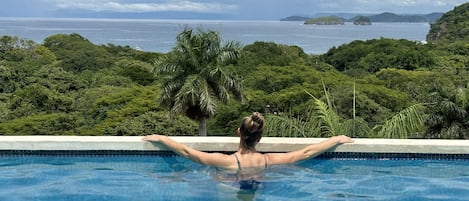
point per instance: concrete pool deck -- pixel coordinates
(227, 144)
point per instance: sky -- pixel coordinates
(215, 9)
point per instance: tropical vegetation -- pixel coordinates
(193, 79)
(377, 88)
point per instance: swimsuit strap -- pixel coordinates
(239, 164)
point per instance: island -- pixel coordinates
(328, 20)
(362, 20)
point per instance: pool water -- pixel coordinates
(141, 178)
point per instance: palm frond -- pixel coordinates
(282, 126)
(171, 86)
(206, 100)
(462, 97)
(223, 83)
(230, 53)
(187, 95)
(220, 92)
(452, 109)
(163, 67)
(328, 117)
(407, 122)
(330, 120)
(357, 127)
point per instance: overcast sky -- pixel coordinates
(215, 9)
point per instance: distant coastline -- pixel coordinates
(385, 17)
(158, 35)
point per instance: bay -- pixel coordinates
(160, 35)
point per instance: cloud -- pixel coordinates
(429, 2)
(148, 6)
(413, 3)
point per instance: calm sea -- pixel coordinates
(159, 35)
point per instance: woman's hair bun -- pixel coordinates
(251, 129)
(258, 118)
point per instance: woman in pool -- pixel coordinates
(247, 157)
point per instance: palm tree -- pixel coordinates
(448, 117)
(193, 80)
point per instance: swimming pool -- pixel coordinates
(164, 176)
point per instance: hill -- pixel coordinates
(295, 18)
(391, 17)
(452, 26)
(382, 17)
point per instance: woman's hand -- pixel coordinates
(153, 138)
(342, 139)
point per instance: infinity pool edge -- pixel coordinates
(228, 144)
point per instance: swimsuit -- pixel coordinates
(247, 184)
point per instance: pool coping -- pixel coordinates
(227, 144)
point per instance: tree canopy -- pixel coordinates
(377, 88)
(452, 26)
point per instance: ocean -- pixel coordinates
(160, 35)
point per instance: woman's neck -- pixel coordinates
(243, 150)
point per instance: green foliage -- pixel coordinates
(128, 52)
(4, 110)
(193, 77)
(13, 48)
(121, 103)
(105, 77)
(137, 71)
(69, 86)
(320, 120)
(107, 107)
(78, 53)
(291, 126)
(330, 120)
(371, 56)
(356, 128)
(452, 26)
(416, 84)
(448, 114)
(152, 122)
(227, 119)
(36, 98)
(56, 79)
(373, 103)
(7, 85)
(407, 123)
(269, 53)
(272, 78)
(460, 48)
(42, 124)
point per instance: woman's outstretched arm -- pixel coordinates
(212, 159)
(307, 152)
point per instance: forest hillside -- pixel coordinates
(377, 88)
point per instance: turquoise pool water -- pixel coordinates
(169, 177)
